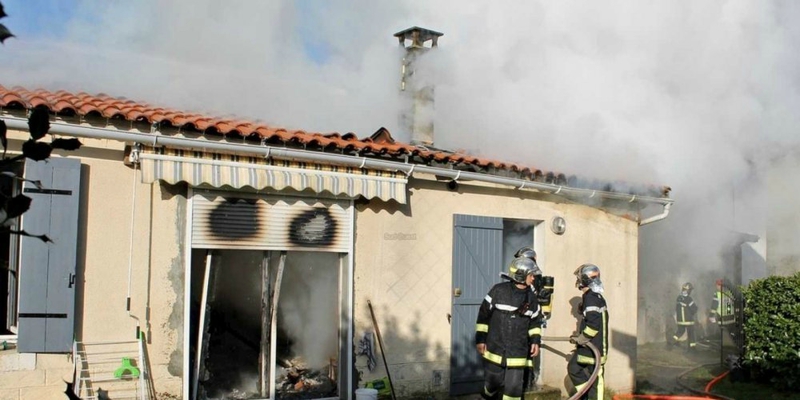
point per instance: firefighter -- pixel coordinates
(544, 293)
(594, 329)
(685, 315)
(543, 285)
(721, 312)
(508, 330)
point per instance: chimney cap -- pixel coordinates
(418, 36)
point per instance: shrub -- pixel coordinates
(772, 330)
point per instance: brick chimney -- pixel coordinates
(418, 90)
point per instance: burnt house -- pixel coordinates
(252, 259)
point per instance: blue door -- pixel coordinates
(477, 263)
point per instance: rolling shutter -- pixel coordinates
(47, 270)
(259, 222)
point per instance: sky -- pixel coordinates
(699, 96)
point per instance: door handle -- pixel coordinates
(71, 280)
(457, 292)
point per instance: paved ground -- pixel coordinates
(659, 366)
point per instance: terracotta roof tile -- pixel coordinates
(379, 143)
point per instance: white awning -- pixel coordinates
(226, 170)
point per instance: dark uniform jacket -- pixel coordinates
(685, 310)
(594, 326)
(509, 322)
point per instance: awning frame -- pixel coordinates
(239, 171)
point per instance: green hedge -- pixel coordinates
(772, 330)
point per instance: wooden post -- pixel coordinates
(273, 310)
(380, 343)
(263, 359)
(202, 331)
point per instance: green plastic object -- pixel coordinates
(126, 368)
(381, 385)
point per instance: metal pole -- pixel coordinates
(380, 343)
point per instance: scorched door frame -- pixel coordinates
(346, 266)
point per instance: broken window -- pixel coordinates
(240, 349)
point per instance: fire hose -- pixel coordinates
(701, 394)
(595, 371)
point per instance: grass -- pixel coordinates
(743, 390)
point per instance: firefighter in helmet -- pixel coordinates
(721, 312)
(543, 296)
(508, 330)
(543, 285)
(685, 315)
(594, 329)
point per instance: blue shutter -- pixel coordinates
(47, 270)
(477, 263)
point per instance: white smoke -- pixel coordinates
(700, 96)
(308, 308)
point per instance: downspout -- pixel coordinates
(658, 217)
(304, 155)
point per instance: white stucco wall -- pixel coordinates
(102, 270)
(783, 220)
(409, 281)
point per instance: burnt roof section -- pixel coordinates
(380, 144)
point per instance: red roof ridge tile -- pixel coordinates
(380, 143)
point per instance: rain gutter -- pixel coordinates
(354, 161)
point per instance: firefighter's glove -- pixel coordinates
(580, 340)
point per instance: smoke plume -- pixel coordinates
(700, 96)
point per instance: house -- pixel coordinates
(239, 259)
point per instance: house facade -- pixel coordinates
(224, 258)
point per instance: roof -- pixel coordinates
(379, 144)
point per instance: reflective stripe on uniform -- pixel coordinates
(506, 307)
(482, 327)
(488, 300)
(590, 332)
(586, 360)
(495, 358)
(532, 314)
(516, 362)
(686, 323)
(510, 362)
(593, 309)
(601, 383)
(534, 331)
(604, 350)
(506, 397)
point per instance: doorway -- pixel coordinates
(265, 324)
(482, 248)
